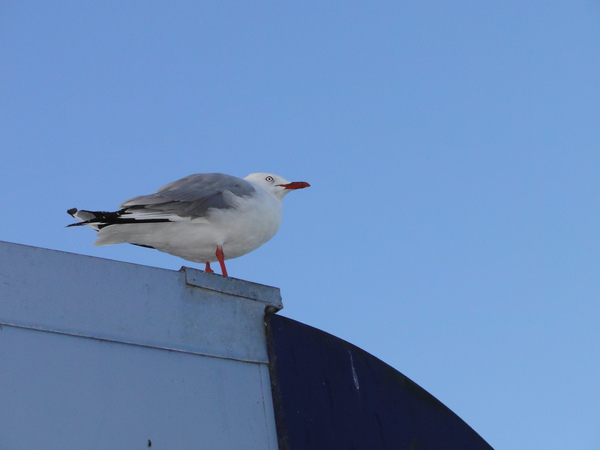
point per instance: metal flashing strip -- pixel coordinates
(233, 286)
(124, 342)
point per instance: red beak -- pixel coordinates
(296, 185)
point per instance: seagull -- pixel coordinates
(205, 217)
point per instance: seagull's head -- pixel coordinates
(274, 184)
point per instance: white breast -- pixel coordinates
(248, 225)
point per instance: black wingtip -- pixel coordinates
(72, 212)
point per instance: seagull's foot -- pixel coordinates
(221, 258)
(208, 269)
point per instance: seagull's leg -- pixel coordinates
(208, 269)
(221, 258)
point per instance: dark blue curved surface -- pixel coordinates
(329, 394)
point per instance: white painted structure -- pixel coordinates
(99, 354)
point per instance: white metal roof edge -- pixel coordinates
(189, 311)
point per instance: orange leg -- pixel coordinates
(221, 258)
(208, 269)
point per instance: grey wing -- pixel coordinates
(191, 196)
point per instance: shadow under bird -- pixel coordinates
(203, 218)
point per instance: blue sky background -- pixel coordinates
(453, 148)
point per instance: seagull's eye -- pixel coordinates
(270, 179)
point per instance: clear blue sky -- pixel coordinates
(452, 226)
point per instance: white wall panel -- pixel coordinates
(97, 354)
